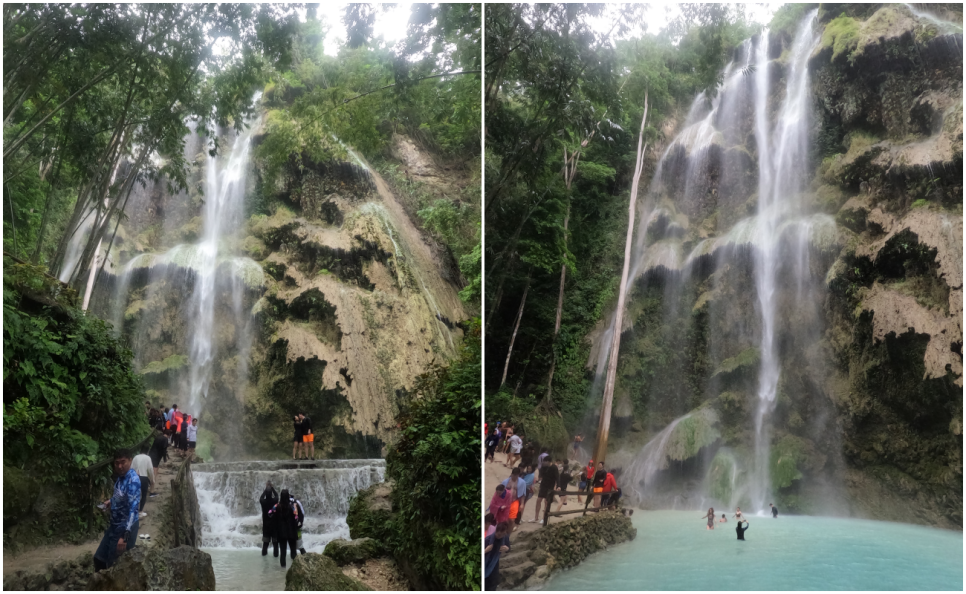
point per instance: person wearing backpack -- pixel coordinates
(287, 522)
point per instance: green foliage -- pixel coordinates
(842, 35)
(436, 468)
(543, 427)
(745, 359)
(70, 395)
(788, 17)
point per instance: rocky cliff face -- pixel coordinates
(330, 303)
(868, 414)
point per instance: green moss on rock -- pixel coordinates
(693, 433)
(369, 513)
(743, 360)
(317, 572)
(842, 35)
(786, 456)
(344, 552)
(168, 364)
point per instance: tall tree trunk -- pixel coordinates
(516, 327)
(600, 453)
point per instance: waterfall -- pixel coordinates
(779, 236)
(223, 212)
(782, 163)
(228, 496)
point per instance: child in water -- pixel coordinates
(724, 519)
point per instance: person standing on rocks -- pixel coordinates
(268, 500)
(494, 545)
(297, 439)
(122, 530)
(506, 443)
(144, 467)
(159, 452)
(192, 436)
(308, 438)
(600, 477)
(549, 475)
(301, 510)
(287, 522)
(577, 439)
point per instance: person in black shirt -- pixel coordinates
(297, 439)
(774, 510)
(308, 439)
(549, 475)
(598, 485)
(564, 483)
(491, 441)
(268, 500)
(740, 530)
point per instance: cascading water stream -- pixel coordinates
(782, 158)
(780, 234)
(228, 495)
(223, 211)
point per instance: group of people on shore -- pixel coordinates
(136, 478)
(180, 428)
(282, 519)
(531, 475)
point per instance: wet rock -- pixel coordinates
(344, 552)
(319, 572)
(153, 568)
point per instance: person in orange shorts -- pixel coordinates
(308, 438)
(518, 493)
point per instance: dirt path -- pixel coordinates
(38, 558)
(495, 472)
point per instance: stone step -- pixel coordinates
(512, 577)
(513, 558)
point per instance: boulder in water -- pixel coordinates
(319, 572)
(154, 568)
(344, 552)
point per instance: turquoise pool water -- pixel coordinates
(674, 551)
(246, 570)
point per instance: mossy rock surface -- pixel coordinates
(369, 513)
(171, 363)
(746, 359)
(691, 434)
(318, 572)
(344, 552)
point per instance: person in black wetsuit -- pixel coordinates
(268, 500)
(740, 530)
(774, 510)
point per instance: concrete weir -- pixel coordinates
(228, 493)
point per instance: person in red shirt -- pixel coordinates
(610, 486)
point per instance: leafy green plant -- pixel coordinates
(70, 394)
(436, 468)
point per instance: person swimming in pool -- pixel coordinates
(710, 516)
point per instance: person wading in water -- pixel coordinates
(710, 517)
(268, 500)
(287, 522)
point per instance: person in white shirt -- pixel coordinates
(516, 444)
(193, 435)
(143, 465)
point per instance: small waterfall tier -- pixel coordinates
(228, 494)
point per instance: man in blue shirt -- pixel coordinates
(122, 532)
